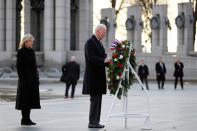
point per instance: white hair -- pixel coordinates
(25, 38)
(100, 27)
(72, 58)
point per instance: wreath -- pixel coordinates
(115, 72)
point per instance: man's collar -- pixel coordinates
(96, 37)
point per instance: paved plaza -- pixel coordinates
(170, 110)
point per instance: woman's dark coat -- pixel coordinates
(28, 96)
(95, 77)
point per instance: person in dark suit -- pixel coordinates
(71, 73)
(28, 96)
(143, 73)
(94, 82)
(160, 73)
(178, 73)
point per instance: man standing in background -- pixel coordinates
(143, 73)
(160, 73)
(70, 74)
(178, 73)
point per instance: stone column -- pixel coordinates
(185, 34)
(10, 25)
(2, 25)
(108, 14)
(62, 35)
(48, 30)
(90, 17)
(85, 21)
(135, 35)
(67, 25)
(27, 17)
(159, 35)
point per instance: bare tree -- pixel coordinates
(114, 3)
(146, 10)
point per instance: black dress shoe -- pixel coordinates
(95, 126)
(32, 123)
(27, 122)
(100, 126)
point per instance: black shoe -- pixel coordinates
(32, 123)
(27, 122)
(95, 126)
(100, 126)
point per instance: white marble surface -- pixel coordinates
(170, 110)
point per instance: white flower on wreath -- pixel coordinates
(121, 57)
(117, 77)
(108, 79)
(115, 59)
(123, 46)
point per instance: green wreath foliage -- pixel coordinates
(115, 72)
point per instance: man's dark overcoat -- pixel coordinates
(95, 77)
(143, 71)
(71, 72)
(178, 69)
(160, 71)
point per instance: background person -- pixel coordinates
(143, 73)
(178, 73)
(70, 74)
(160, 73)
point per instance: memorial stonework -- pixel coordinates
(134, 27)
(61, 28)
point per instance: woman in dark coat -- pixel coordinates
(28, 96)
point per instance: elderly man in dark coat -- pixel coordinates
(178, 73)
(28, 96)
(95, 77)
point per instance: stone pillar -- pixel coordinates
(57, 32)
(10, 26)
(134, 34)
(49, 39)
(27, 17)
(185, 33)
(2, 25)
(90, 17)
(67, 25)
(62, 35)
(159, 34)
(108, 15)
(85, 21)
